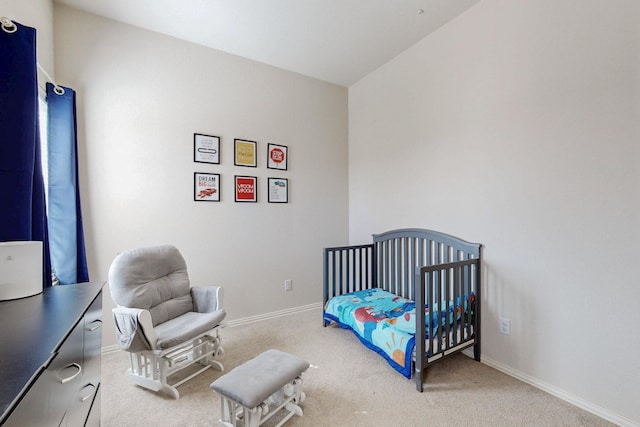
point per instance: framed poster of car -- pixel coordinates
(278, 190)
(206, 187)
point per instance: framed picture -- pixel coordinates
(277, 157)
(278, 190)
(206, 187)
(206, 148)
(246, 188)
(245, 153)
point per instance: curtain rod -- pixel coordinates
(56, 88)
(9, 27)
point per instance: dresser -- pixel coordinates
(50, 346)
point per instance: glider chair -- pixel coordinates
(164, 324)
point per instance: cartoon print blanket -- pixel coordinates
(383, 322)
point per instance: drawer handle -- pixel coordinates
(88, 396)
(97, 325)
(66, 380)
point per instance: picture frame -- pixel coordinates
(245, 153)
(206, 148)
(206, 187)
(278, 190)
(246, 188)
(277, 156)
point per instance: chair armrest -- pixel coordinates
(207, 299)
(134, 329)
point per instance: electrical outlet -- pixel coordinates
(505, 326)
(288, 285)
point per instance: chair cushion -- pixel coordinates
(153, 278)
(185, 327)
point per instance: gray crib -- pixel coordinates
(424, 266)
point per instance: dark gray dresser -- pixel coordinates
(50, 348)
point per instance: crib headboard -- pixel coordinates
(399, 252)
(391, 261)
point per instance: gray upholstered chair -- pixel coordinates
(165, 324)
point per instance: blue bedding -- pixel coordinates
(384, 322)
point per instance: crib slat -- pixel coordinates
(447, 305)
(467, 292)
(477, 285)
(350, 270)
(333, 264)
(420, 330)
(393, 283)
(380, 262)
(386, 266)
(372, 267)
(325, 276)
(360, 262)
(458, 299)
(399, 265)
(420, 261)
(404, 266)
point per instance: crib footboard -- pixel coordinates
(450, 322)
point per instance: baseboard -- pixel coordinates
(559, 393)
(246, 320)
(272, 315)
(108, 349)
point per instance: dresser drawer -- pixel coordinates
(47, 401)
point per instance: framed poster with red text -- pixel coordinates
(277, 157)
(206, 187)
(246, 188)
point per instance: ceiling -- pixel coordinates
(338, 41)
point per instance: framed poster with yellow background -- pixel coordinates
(245, 153)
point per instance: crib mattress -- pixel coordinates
(383, 322)
(372, 315)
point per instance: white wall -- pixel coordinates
(141, 97)
(517, 125)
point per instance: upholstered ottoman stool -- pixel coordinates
(259, 388)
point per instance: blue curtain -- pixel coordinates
(23, 210)
(66, 235)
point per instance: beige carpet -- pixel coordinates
(347, 385)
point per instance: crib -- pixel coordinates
(374, 289)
